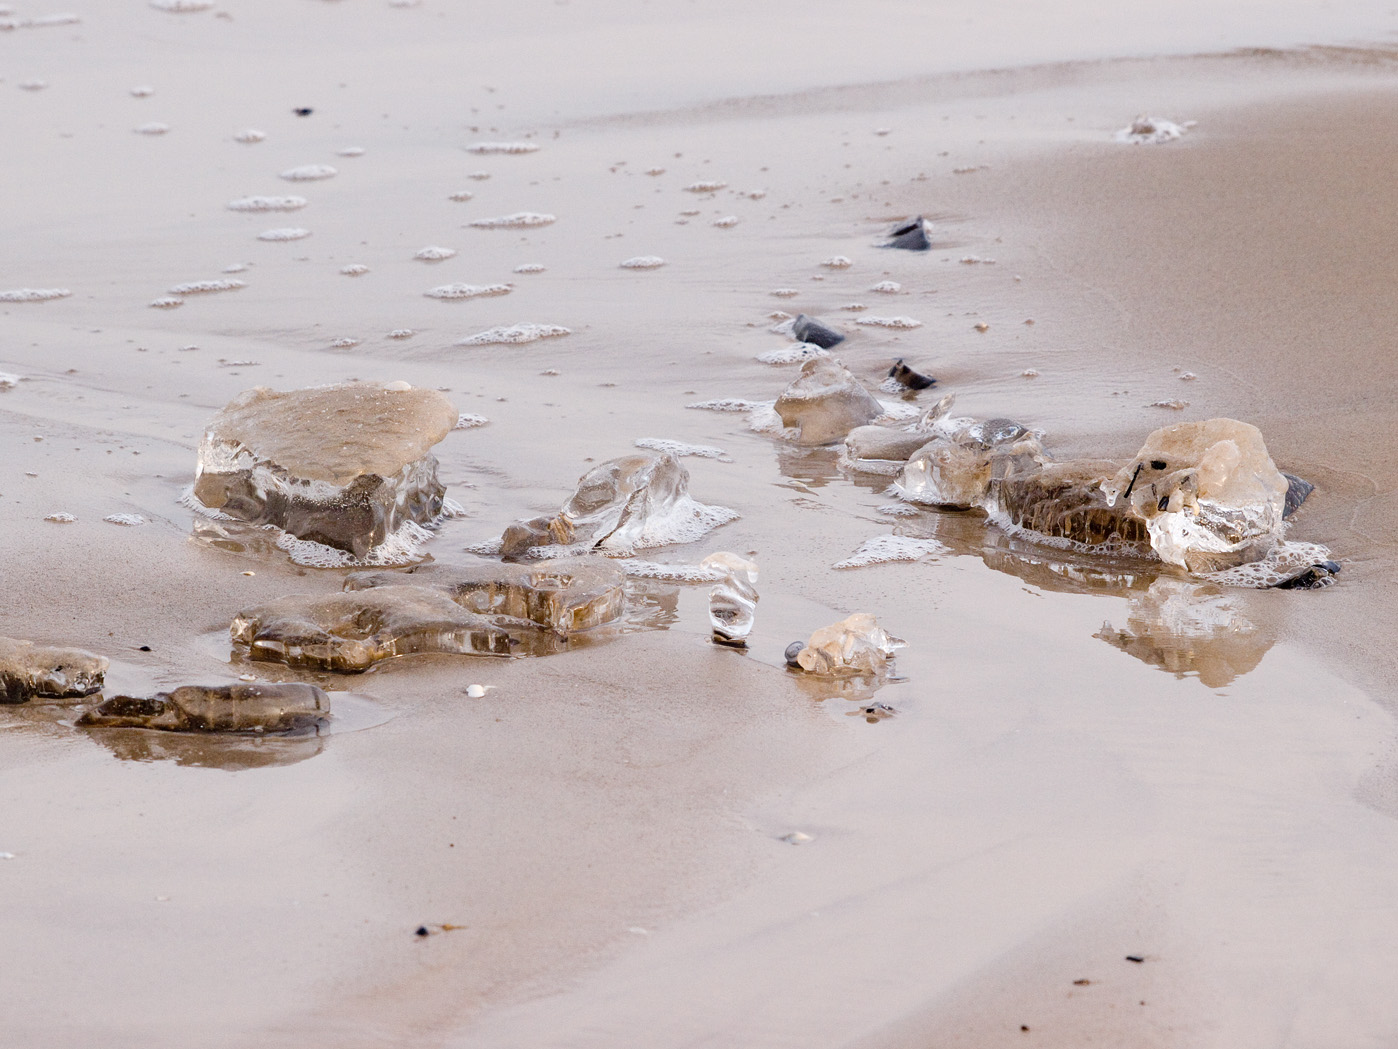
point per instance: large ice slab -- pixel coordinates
(564, 595)
(215, 708)
(343, 466)
(825, 402)
(353, 630)
(29, 671)
(634, 502)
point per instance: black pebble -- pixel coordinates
(1135, 958)
(1312, 578)
(145, 648)
(909, 378)
(1296, 491)
(807, 330)
(792, 651)
(303, 111)
(422, 931)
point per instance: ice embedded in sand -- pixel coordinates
(733, 602)
(634, 502)
(29, 671)
(239, 707)
(514, 334)
(826, 402)
(347, 467)
(33, 294)
(309, 173)
(518, 220)
(856, 645)
(266, 204)
(353, 630)
(467, 291)
(564, 595)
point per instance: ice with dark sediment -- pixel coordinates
(826, 402)
(29, 671)
(855, 645)
(345, 470)
(733, 602)
(242, 707)
(634, 502)
(566, 595)
(354, 629)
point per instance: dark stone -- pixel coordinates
(909, 378)
(809, 330)
(1296, 492)
(1313, 578)
(910, 237)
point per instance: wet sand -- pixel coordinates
(606, 824)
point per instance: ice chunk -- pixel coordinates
(808, 329)
(633, 502)
(215, 708)
(911, 236)
(565, 596)
(353, 630)
(309, 173)
(733, 602)
(956, 469)
(28, 670)
(857, 645)
(1065, 502)
(881, 449)
(344, 466)
(1208, 491)
(826, 402)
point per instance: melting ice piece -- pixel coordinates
(807, 329)
(882, 449)
(826, 402)
(857, 645)
(345, 466)
(28, 670)
(215, 708)
(353, 630)
(564, 595)
(1151, 130)
(911, 236)
(956, 469)
(1209, 494)
(633, 502)
(733, 602)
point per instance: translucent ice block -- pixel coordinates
(1065, 501)
(733, 602)
(344, 466)
(353, 630)
(957, 469)
(857, 645)
(825, 402)
(633, 502)
(28, 671)
(218, 708)
(565, 595)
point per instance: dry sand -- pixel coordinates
(606, 824)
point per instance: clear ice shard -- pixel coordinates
(29, 671)
(215, 708)
(857, 645)
(825, 402)
(733, 602)
(956, 469)
(565, 595)
(624, 504)
(345, 466)
(353, 630)
(1209, 494)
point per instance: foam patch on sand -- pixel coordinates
(801, 351)
(8, 380)
(679, 448)
(402, 547)
(514, 334)
(887, 548)
(507, 148)
(266, 204)
(435, 254)
(643, 262)
(518, 220)
(33, 294)
(637, 569)
(309, 173)
(900, 323)
(469, 421)
(1286, 561)
(285, 233)
(467, 291)
(203, 287)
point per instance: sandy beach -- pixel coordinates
(1058, 839)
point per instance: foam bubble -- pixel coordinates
(287, 233)
(460, 196)
(125, 520)
(515, 148)
(266, 204)
(468, 291)
(181, 7)
(33, 294)
(61, 518)
(889, 322)
(837, 262)
(514, 334)
(643, 262)
(530, 267)
(249, 135)
(727, 222)
(155, 127)
(886, 548)
(354, 269)
(309, 173)
(202, 287)
(402, 333)
(887, 287)
(345, 344)
(793, 354)
(704, 187)
(679, 448)
(469, 421)
(166, 302)
(434, 254)
(519, 220)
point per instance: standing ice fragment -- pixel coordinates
(826, 402)
(28, 670)
(733, 602)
